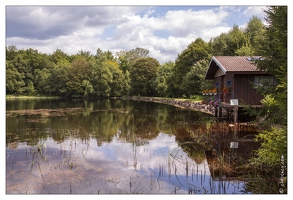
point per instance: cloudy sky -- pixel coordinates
(164, 30)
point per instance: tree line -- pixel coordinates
(133, 72)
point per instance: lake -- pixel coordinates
(114, 147)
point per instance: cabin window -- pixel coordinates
(217, 85)
(229, 83)
(254, 58)
(264, 81)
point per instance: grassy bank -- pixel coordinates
(12, 97)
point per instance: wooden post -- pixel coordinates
(216, 111)
(227, 114)
(220, 111)
(235, 114)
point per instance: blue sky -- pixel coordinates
(164, 30)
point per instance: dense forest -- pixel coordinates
(134, 72)
(129, 72)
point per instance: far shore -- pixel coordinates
(10, 97)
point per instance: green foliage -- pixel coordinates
(127, 58)
(275, 63)
(274, 112)
(78, 71)
(273, 146)
(272, 155)
(41, 80)
(274, 47)
(228, 43)
(196, 51)
(57, 80)
(30, 89)
(11, 52)
(87, 88)
(143, 77)
(60, 58)
(163, 78)
(119, 84)
(254, 32)
(244, 51)
(102, 80)
(14, 80)
(191, 83)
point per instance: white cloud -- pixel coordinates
(117, 28)
(254, 10)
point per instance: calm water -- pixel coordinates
(108, 147)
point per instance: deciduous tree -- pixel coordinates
(143, 76)
(195, 52)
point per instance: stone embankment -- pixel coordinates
(183, 103)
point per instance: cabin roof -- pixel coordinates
(232, 64)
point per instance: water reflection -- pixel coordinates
(75, 166)
(112, 147)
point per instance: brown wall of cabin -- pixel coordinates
(245, 91)
(219, 88)
(222, 80)
(241, 88)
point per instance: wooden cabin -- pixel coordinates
(236, 78)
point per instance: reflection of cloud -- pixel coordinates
(77, 166)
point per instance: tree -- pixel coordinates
(274, 138)
(254, 32)
(228, 43)
(245, 51)
(254, 35)
(30, 89)
(274, 60)
(87, 88)
(127, 58)
(41, 80)
(195, 52)
(85, 54)
(136, 53)
(143, 76)
(162, 78)
(118, 85)
(14, 80)
(102, 79)
(60, 58)
(57, 79)
(193, 82)
(78, 72)
(22, 65)
(11, 52)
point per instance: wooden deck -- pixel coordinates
(230, 109)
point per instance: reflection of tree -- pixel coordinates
(195, 151)
(193, 143)
(134, 121)
(192, 134)
(140, 122)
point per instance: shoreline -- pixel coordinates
(181, 103)
(12, 97)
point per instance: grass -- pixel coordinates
(11, 97)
